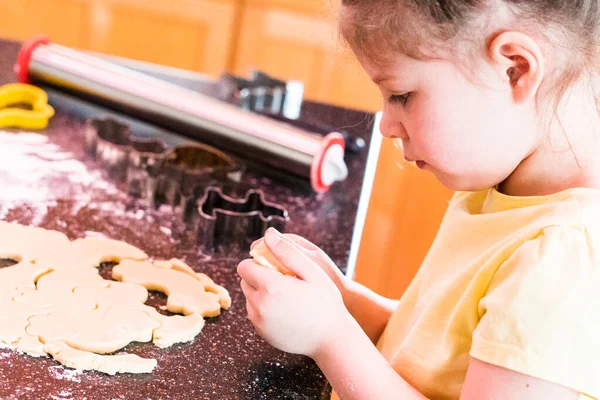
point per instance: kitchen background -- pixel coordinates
(288, 39)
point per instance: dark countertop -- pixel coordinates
(71, 194)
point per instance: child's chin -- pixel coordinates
(463, 184)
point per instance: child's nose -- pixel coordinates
(392, 128)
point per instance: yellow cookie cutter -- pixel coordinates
(19, 93)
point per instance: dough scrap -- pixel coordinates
(53, 301)
(264, 257)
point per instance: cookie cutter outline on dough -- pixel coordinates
(211, 200)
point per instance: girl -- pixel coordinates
(496, 98)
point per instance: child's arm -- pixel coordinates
(370, 310)
(306, 315)
(357, 371)
(487, 382)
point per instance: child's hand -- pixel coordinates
(297, 315)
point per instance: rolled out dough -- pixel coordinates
(53, 301)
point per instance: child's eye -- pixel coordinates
(399, 98)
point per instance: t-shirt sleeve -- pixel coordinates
(541, 313)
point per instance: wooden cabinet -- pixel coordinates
(404, 214)
(320, 8)
(302, 46)
(195, 35)
(289, 39)
(58, 19)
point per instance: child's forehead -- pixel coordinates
(389, 67)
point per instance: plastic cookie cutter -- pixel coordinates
(222, 221)
(24, 106)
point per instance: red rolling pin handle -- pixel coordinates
(22, 65)
(316, 170)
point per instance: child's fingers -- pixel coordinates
(248, 290)
(313, 251)
(254, 316)
(290, 255)
(302, 242)
(256, 275)
(299, 240)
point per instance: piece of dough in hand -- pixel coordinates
(264, 257)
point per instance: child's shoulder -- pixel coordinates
(489, 221)
(576, 206)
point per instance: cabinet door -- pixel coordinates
(312, 7)
(190, 34)
(60, 20)
(301, 46)
(405, 211)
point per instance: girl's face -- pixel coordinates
(470, 135)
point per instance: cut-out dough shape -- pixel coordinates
(209, 284)
(263, 256)
(93, 251)
(18, 278)
(69, 279)
(32, 244)
(88, 331)
(14, 319)
(185, 294)
(53, 301)
(175, 329)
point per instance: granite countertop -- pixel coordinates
(47, 180)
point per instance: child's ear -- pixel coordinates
(519, 58)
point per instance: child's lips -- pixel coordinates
(419, 163)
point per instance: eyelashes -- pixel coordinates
(399, 98)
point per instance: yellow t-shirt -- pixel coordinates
(511, 281)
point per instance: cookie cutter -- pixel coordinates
(34, 116)
(149, 168)
(222, 220)
(262, 93)
(279, 100)
(202, 184)
(127, 158)
(188, 167)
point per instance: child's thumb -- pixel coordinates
(291, 256)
